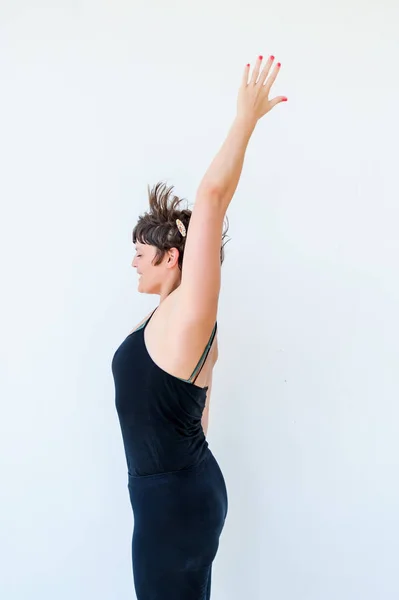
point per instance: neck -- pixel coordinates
(169, 287)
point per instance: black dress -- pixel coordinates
(177, 490)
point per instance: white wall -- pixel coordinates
(97, 100)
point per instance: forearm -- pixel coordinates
(221, 179)
(205, 421)
(205, 414)
(225, 170)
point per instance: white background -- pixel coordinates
(99, 99)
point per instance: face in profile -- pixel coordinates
(152, 277)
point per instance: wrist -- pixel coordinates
(246, 122)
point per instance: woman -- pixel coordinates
(163, 370)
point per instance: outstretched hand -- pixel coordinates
(253, 97)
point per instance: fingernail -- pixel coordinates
(272, 57)
(248, 65)
(284, 99)
(260, 57)
(279, 64)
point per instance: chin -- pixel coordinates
(141, 289)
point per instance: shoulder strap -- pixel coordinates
(204, 356)
(146, 321)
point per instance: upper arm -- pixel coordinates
(200, 283)
(213, 358)
(205, 414)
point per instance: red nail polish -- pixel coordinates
(284, 100)
(248, 65)
(260, 57)
(272, 57)
(279, 64)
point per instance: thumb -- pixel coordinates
(277, 100)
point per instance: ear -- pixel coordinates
(173, 258)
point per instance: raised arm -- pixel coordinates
(200, 283)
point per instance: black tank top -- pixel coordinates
(159, 413)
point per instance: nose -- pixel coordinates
(134, 263)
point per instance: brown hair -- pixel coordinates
(158, 226)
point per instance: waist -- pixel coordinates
(188, 470)
(155, 456)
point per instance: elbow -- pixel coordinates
(211, 190)
(212, 194)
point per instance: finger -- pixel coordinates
(266, 70)
(277, 100)
(245, 75)
(256, 70)
(272, 77)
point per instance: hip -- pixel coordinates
(192, 490)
